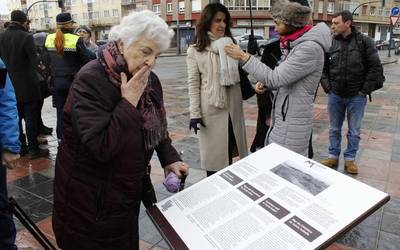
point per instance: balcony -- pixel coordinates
(127, 2)
(90, 7)
(105, 21)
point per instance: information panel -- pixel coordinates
(272, 199)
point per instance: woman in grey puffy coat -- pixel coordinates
(297, 76)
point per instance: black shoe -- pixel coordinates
(24, 150)
(43, 130)
(37, 153)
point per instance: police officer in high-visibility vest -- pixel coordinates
(67, 55)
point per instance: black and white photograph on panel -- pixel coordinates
(303, 177)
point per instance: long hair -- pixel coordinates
(59, 41)
(201, 40)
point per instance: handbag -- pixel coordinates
(245, 85)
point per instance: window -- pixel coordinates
(73, 2)
(157, 8)
(372, 10)
(106, 13)
(263, 4)
(75, 17)
(364, 10)
(245, 4)
(181, 6)
(321, 6)
(85, 16)
(140, 7)
(387, 12)
(196, 5)
(96, 15)
(169, 7)
(331, 8)
(115, 12)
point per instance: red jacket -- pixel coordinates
(101, 165)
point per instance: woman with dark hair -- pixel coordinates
(214, 91)
(67, 55)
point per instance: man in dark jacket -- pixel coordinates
(18, 51)
(352, 71)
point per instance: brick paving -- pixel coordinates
(379, 159)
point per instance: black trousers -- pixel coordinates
(7, 226)
(61, 89)
(29, 112)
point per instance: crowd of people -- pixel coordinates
(111, 116)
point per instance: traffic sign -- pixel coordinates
(394, 15)
(395, 11)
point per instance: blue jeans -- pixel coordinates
(337, 107)
(7, 226)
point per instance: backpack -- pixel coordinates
(362, 47)
(44, 56)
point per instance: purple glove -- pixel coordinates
(172, 183)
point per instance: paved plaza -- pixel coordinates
(379, 160)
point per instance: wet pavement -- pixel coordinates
(378, 158)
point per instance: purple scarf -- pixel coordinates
(150, 104)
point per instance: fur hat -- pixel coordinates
(291, 13)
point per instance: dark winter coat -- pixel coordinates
(100, 166)
(18, 51)
(270, 57)
(353, 66)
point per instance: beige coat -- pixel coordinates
(214, 154)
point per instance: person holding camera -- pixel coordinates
(10, 148)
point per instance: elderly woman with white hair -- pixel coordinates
(113, 121)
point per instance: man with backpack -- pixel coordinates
(352, 71)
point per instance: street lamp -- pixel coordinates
(60, 4)
(178, 37)
(358, 6)
(252, 46)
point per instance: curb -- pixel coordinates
(172, 55)
(395, 60)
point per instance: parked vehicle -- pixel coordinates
(101, 42)
(243, 41)
(397, 49)
(385, 44)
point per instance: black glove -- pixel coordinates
(194, 122)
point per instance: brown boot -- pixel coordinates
(330, 162)
(350, 167)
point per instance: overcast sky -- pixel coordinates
(3, 7)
